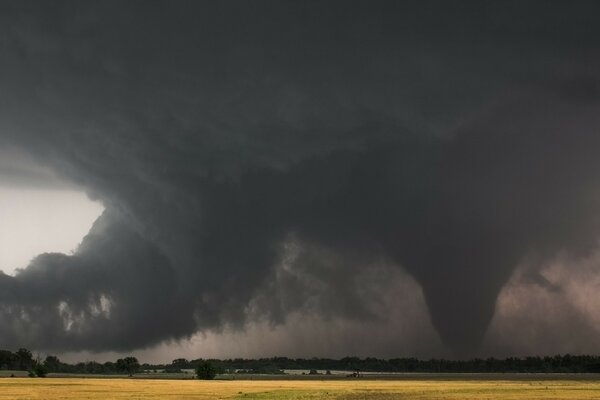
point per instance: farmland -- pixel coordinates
(360, 389)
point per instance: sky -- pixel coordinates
(40, 213)
(36, 221)
(311, 179)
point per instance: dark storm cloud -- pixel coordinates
(448, 139)
(17, 169)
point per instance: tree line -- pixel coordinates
(550, 364)
(23, 360)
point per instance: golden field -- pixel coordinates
(134, 389)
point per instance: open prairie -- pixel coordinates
(132, 389)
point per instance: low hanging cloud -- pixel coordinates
(268, 160)
(553, 305)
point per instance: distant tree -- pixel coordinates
(180, 363)
(205, 370)
(24, 359)
(176, 366)
(7, 359)
(52, 364)
(109, 367)
(93, 367)
(40, 370)
(130, 365)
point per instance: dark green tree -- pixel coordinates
(205, 370)
(7, 359)
(52, 364)
(24, 359)
(130, 365)
(40, 370)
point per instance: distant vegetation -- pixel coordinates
(563, 364)
(206, 371)
(23, 360)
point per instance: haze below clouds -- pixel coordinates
(395, 178)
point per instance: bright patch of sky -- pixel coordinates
(35, 221)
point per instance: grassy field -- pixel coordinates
(134, 389)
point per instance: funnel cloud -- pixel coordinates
(366, 166)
